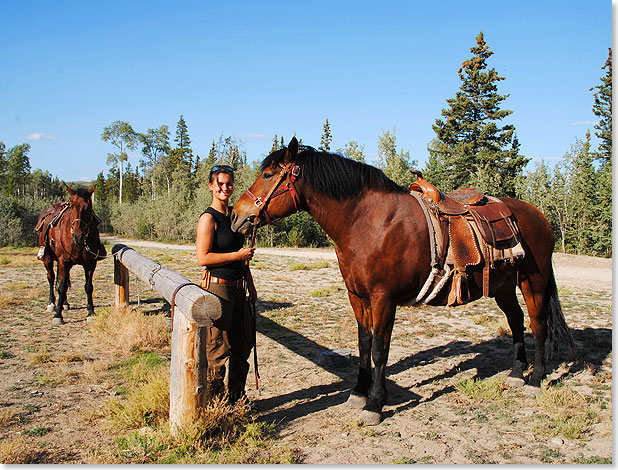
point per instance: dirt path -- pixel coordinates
(571, 270)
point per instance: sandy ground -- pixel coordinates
(570, 270)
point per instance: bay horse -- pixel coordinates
(69, 235)
(382, 245)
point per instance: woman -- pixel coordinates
(226, 261)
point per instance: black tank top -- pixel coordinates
(225, 241)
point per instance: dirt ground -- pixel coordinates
(304, 312)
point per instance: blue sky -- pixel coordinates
(253, 69)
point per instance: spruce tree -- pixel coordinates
(471, 147)
(603, 109)
(327, 138)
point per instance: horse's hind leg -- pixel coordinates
(533, 290)
(359, 394)
(89, 273)
(51, 278)
(506, 299)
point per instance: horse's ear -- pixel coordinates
(70, 190)
(292, 150)
(91, 190)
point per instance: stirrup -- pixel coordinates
(41, 252)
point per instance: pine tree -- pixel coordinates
(470, 146)
(327, 138)
(603, 109)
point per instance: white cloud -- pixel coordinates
(40, 136)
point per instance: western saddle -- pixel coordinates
(469, 228)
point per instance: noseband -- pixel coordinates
(85, 234)
(261, 203)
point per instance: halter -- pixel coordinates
(261, 203)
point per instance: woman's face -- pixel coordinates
(222, 186)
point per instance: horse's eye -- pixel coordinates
(267, 175)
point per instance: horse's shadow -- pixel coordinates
(490, 358)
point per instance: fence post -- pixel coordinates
(195, 310)
(121, 280)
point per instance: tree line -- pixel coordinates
(163, 195)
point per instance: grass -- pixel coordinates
(38, 431)
(480, 390)
(325, 291)
(566, 412)
(6, 416)
(128, 330)
(309, 266)
(20, 451)
(41, 356)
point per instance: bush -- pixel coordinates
(18, 218)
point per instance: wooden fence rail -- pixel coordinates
(194, 310)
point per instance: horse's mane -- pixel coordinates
(334, 175)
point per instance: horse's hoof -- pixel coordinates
(51, 308)
(66, 307)
(356, 401)
(57, 321)
(531, 391)
(370, 418)
(514, 382)
(90, 318)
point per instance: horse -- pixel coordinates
(382, 244)
(69, 235)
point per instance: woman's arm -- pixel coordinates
(203, 245)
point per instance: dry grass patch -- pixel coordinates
(20, 451)
(6, 416)
(41, 356)
(129, 330)
(567, 412)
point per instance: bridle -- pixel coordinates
(85, 234)
(290, 169)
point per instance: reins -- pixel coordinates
(261, 203)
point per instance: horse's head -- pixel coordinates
(81, 214)
(274, 193)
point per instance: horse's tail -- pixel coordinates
(558, 333)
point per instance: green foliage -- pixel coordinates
(395, 165)
(327, 138)
(354, 151)
(470, 148)
(603, 109)
(18, 218)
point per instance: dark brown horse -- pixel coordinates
(69, 235)
(382, 244)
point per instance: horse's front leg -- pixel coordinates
(51, 278)
(359, 394)
(88, 287)
(383, 318)
(63, 285)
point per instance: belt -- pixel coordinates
(238, 284)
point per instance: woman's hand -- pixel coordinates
(246, 253)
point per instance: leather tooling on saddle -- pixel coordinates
(466, 228)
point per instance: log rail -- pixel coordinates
(194, 311)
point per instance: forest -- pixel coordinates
(162, 197)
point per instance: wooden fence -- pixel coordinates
(193, 310)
